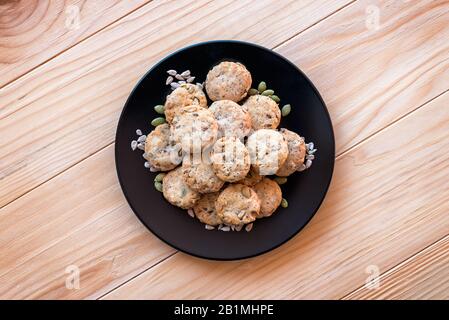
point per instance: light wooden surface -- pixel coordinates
(62, 89)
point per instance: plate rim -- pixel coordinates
(121, 118)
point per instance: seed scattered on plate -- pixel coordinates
(209, 227)
(253, 92)
(310, 146)
(153, 169)
(312, 151)
(133, 145)
(310, 157)
(249, 227)
(169, 80)
(181, 82)
(185, 74)
(141, 146)
(158, 121)
(239, 227)
(284, 203)
(174, 85)
(172, 72)
(158, 186)
(190, 79)
(142, 138)
(268, 92)
(308, 163)
(159, 109)
(191, 213)
(262, 86)
(225, 228)
(139, 132)
(275, 98)
(286, 110)
(146, 164)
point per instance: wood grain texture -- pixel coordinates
(58, 220)
(80, 219)
(77, 96)
(388, 200)
(370, 77)
(424, 276)
(33, 31)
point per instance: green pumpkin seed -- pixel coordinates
(262, 86)
(275, 98)
(284, 203)
(252, 92)
(280, 180)
(268, 92)
(158, 186)
(158, 121)
(159, 177)
(286, 110)
(159, 109)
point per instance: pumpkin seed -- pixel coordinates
(275, 98)
(280, 180)
(262, 86)
(286, 110)
(268, 92)
(159, 109)
(284, 203)
(158, 121)
(246, 192)
(159, 177)
(253, 92)
(158, 186)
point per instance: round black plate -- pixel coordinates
(304, 191)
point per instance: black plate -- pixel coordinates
(304, 191)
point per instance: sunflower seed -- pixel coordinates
(310, 146)
(284, 203)
(286, 110)
(181, 82)
(191, 213)
(159, 109)
(232, 227)
(308, 164)
(174, 85)
(302, 168)
(185, 74)
(280, 180)
(142, 138)
(209, 227)
(146, 165)
(172, 72)
(310, 157)
(225, 228)
(139, 132)
(144, 155)
(312, 151)
(241, 214)
(249, 227)
(153, 169)
(268, 92)
(200, 85)
(253, 92)
(239, 227)
(169, 80)
(159, 177)
(190, 79)
(262, 86)
(157, 121)
(141, 146)
(179, 77)
(133, 145)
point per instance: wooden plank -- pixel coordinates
(388, 200)
(81, 219)
(32, 32)
(370, 77)
(423, 276)
(68, 109)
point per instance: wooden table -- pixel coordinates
(66, 69)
